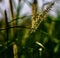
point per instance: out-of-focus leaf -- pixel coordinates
(56, 48)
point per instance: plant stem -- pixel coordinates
(13, 30)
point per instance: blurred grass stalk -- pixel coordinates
(6, 23)
(34, 14)
(18, 11)
(6, 26)
(13, 30)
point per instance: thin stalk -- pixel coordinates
(34, 14)
(18, 11)
(13, 30)
(11, 8)
(6, 22)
